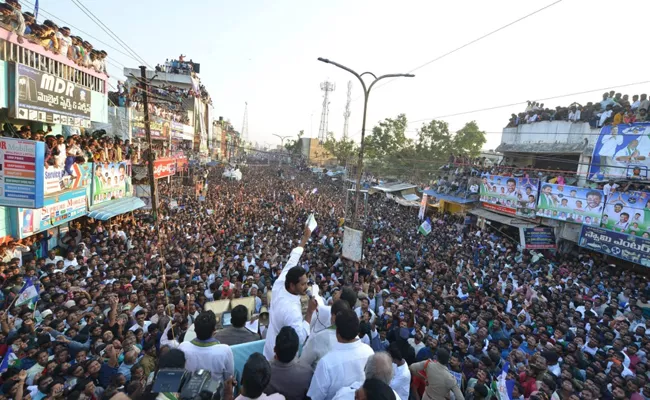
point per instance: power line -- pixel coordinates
(473, 41)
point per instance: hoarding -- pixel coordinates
(21, 173)
(622, 151)
(47, 98)
(57, 210)
(571, 204)
(627, 247)
(539, 238)
(164, 167)
(57, 180)
(627, 213)
(510, 195)
(111, 181)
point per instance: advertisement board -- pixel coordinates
(159, 127)
(627, 247)
(627, 213)
(182, 131)
(47, 98)
(539, 238)
(57, 180)
(164, 167)
(55, 211)
(111, 181)
(510, 195)
(21, 173)
(622, 151)
(571, 204)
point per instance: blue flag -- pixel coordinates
(35, 10)
(28, 295)
(4, 365)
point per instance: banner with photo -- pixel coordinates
(510, 195)
(571, 204)
(622, 151)
(628, 213)
(624, 246)
(111, 181)
(57, 210)
(57, 180)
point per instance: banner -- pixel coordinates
(628, 213)
(144, 193)
(182, 131)
(627, 247)
(56, 211)
(510, 195)
(56, 180)
(622, 151)
(539, 238)
(21, 173)
(111, 181)
(571, 204)
(164, 167)
(47, 98)
(159, 128)
(423, 206)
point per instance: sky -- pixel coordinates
(265, 53)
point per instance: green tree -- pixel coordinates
(469, 140)
(387, 139)
(434, 142)
(294, 146)
(343, 150)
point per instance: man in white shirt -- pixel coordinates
(574, 114)
(205, 352)
(70, 261)
(610, 187)
(65, 42)
(344, 365)
(365, 307)
(379, 368)
(323, 339)
(401, 382)
(286, 309)
(52, 258)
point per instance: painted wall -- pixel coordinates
(4, 80)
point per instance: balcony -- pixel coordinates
(35, 56)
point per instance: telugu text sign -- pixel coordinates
(622, 151)
(21, 173)
(510, 195)
(571, 204)
(47, 98)
(164, 167)
(627, 247)
(539, 238)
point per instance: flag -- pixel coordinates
(425, 228)
(4, 365)
(504, 386)
(35, 10)
(28, 294)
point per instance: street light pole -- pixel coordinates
(366, 94)
(282, 143)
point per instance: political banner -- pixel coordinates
(510, 195)
(423, 206)
(111, 181)
(21, 173)
(628, 213)
(57, 180)
(47, 98)
(159, 127)
(57, 210)
(571, 204)
(627, 247)
(622, 151)
(539, 238)
(164, 167)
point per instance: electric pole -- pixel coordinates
(147, 129)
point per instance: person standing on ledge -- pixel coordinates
(286, 309)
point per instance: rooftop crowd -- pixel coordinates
(432, 316)
(613, 109)
(53, 38)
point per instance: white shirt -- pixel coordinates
(210, 356)
(69, 263)
(416, 347)
(348, 392)
(322, 319)
(401, 382)
(574, 116)
(341, 367)
(359, 312)
(56, 259)
(286, 309)
(64, 44)
(318, 344)
(607, 189)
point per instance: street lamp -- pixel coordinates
(282, 143)
(366, 94)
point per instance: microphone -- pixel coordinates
(308, 293)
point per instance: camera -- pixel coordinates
(197, 385)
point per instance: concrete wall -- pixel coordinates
(550, 132)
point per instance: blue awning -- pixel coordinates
(450, 198)
(114, 208)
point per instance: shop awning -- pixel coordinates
(504, 219)
(114, 208)
(411, 197)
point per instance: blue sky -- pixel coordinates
(264, 52)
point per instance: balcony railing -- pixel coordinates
(35, 56)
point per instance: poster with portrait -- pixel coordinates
(111, 181)
(510, 195)
(622, 151)
(571, 204)
(628, 213)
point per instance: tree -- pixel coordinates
(343, 150)
(294, 146)
(469, 140)
(388, 138)
(434, 142)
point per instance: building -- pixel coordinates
(314, 152)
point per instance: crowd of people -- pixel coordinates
(461, 312)
(179, 66)
(613, 109)
(53, 38)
